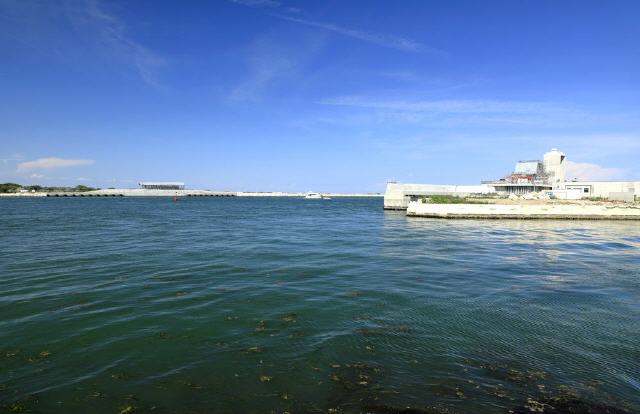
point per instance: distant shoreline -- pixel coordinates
(177, 193)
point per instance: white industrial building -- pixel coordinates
(161, 185)
(546, 175)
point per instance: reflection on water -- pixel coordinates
(289, 305)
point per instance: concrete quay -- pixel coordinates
(600, 211)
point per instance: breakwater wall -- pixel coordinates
(526, 211)
(284, 194)
(141, 192)
(397, 195)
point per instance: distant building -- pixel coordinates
(151, 185)
(534, 175)
(606, 189)
(548, 175)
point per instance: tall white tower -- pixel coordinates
(555, 167)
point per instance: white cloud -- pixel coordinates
(592, 172)
(52, 163)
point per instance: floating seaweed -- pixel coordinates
(16, 407)
(128, 409)
(289, 318)
(192, 385)
(265, 378)
(562, 405)
(11, 354)
(120, 375)
(386, 409)
(161, 336)
(253, 350)
(525, 376)
(262, 326)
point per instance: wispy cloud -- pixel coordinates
(74, 30)
(458, 106)
(52, 163)
(588, 171)
(258, 3)
(13, 158)
(272, 58)
(458, 112)
(264, 70)
(113, 32)
(379, 39)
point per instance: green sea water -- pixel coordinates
(273, 305)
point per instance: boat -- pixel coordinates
(312, 195)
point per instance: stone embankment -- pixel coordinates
(520, 210)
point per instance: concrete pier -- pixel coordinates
(602, 211)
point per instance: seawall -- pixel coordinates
(526, 211)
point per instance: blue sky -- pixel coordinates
(326, 96)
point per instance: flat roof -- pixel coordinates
(160, 183)
(500, 184)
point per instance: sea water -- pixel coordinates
(260, 305)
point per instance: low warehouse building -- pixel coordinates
(603, 189)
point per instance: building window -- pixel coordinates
(586, 190)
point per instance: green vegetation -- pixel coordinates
(448, 199)
(9, 187)
(15, 188)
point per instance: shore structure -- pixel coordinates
(546, 177)
(147, 189)
(152, 185)
(173, 189)
(521, 210)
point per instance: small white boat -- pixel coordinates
(312, 195)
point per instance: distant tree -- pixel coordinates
(9, 187)
(82, 188)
